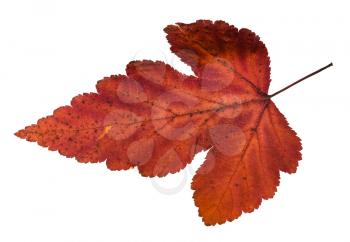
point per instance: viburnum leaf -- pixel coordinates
(156, 119)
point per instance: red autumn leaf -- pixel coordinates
(156, 119)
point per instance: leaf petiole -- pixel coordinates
(300, 80)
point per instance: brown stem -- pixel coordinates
(300, 80)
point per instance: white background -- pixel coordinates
(51, 51)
